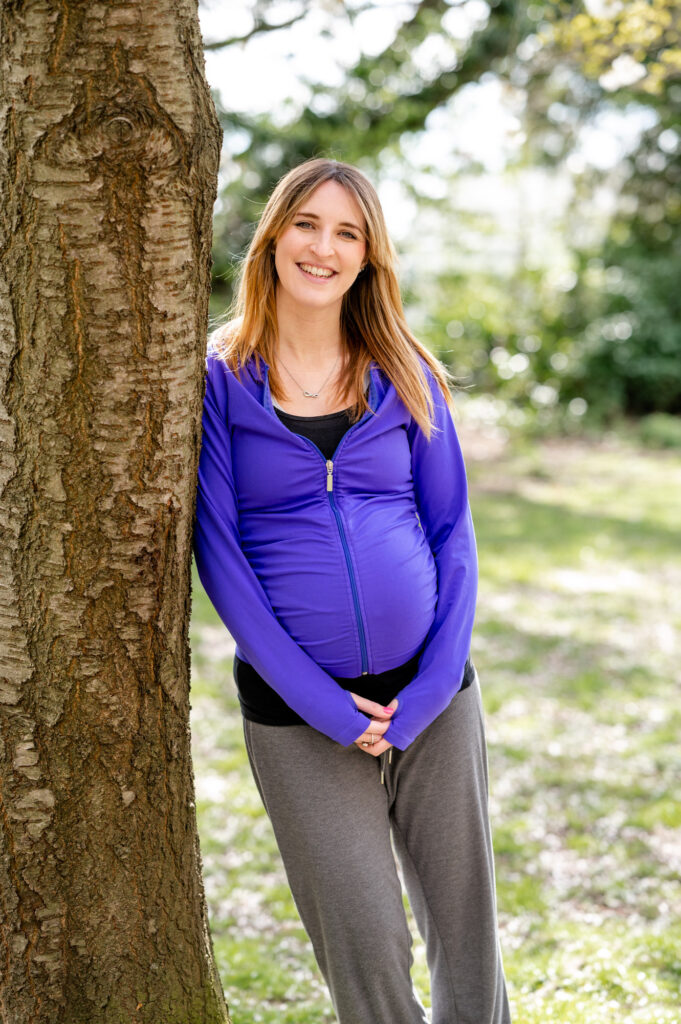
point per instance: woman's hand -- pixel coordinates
(380, 718)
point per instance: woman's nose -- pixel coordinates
(323, 245)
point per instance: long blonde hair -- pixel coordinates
(373, 325)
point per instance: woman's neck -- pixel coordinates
(309, 338)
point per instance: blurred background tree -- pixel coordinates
(539, 253)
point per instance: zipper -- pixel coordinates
(346, 550)
(339, 522)
(355, 596)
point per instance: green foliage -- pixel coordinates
(630, 348)
(646, 33)
(510, 338)
(659, 430)
(630, 353)
(610, 343)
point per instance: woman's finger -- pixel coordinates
(373, 738)
(375, 729)
(371, 707)
(375, 748)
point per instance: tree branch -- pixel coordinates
(259, 26)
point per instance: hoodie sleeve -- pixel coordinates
(441, 491)
(238, 596)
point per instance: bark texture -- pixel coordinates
(109, 151)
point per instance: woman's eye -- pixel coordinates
(306, 224)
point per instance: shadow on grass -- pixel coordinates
(548, 534)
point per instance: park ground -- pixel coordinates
(576, 645)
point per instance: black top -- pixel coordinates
(259, 702)
(326, 431)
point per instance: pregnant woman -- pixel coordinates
(334, 537)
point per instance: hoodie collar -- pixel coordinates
(260, 386)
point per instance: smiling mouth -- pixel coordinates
(319, 273)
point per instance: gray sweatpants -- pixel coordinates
(333, 820)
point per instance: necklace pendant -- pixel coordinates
(308, 394)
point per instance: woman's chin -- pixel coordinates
(313, 297)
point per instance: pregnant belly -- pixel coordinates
(309, 583)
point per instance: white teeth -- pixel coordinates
(316, 271)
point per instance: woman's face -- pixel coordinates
(319, 255)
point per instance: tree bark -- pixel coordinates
(109, 154)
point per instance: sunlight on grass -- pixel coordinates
(576, 645)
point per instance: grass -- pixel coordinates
(576, 645)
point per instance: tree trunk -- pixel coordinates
(109, 154)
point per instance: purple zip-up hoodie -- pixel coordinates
(338, 567)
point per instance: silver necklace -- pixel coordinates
(309, 394)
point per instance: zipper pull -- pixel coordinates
(329, 475)
(382, 772)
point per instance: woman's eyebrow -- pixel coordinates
(343, 223)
